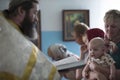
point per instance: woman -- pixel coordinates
(112, 29)
(59, 51)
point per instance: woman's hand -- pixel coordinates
(83, 48)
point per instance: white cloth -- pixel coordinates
(19, 58)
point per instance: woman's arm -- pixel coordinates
(112, 72)
(83, 50)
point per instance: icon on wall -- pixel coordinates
(70, 17)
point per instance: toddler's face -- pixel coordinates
(95, 50)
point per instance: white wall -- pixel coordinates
(52, 16)
(4, 4)
(51, 11)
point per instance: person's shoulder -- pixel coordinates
(3, 21)
(0, 13)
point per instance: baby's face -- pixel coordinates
(95, 50)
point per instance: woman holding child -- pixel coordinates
(112, 29)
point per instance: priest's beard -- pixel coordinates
(29, 28)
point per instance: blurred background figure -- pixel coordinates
(59, 51)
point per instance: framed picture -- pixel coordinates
(70, 17)
(37, 42)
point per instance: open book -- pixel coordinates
(69, 63)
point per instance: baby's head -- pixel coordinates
(96, 47)
(57, 51)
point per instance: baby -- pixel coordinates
(59, 51)
(98, 56)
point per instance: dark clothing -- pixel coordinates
(116, 56)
